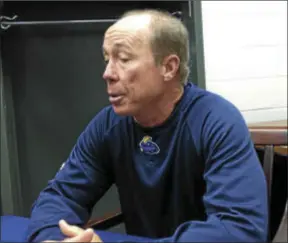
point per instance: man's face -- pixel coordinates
(133, 79)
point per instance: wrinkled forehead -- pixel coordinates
(132, 31)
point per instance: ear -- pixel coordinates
(170, 66)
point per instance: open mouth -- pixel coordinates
(115, 98)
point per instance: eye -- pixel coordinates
(124, 60)
(123, 57)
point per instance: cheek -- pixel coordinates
(135, 87)
(131, 80)
(139, 81)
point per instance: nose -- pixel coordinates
(110, 72)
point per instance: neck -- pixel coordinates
(159, 111)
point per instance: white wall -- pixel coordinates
(245, 48)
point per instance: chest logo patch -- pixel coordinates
(147, 146)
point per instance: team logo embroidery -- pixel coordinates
(147, 146)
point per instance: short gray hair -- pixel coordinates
(169, 36)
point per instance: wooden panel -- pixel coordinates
(278, 126)
(269, 124)
(269, 136)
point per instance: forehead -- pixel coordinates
(132, 31)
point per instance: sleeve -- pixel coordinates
(77, 186)
(236, 195)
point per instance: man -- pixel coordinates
(181, 157)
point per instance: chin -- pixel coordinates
(123, 110)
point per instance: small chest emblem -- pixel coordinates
(147, 146)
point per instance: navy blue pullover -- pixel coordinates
(194, 178)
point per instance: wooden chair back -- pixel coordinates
(270, 140)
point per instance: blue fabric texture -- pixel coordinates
(194, 178)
